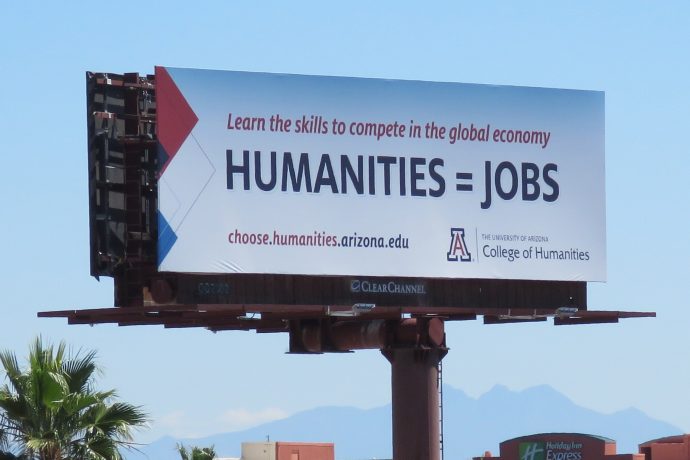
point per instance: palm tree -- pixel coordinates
(51, 411)
(196, 453)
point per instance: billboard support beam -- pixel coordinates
(415, 401)
(415, 348)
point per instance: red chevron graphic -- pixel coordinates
(175, 118)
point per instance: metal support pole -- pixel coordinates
(415, 393)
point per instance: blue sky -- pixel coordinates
(195, 382)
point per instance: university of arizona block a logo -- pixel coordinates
(458, 251)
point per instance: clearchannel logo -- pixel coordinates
(532, 451)
(458, 252)
(387, 287)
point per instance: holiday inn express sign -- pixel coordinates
(290, 174)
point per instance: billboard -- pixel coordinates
(291, 174)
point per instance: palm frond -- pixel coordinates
(81, 371)
(11, 366)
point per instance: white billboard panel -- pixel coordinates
(291, 174)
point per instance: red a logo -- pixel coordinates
(458, 247)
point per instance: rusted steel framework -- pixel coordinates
(283, 318)
(122, 146)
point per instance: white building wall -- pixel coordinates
(258, 451)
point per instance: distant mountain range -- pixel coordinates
(471, 426)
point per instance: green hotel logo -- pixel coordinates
(532, 451)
